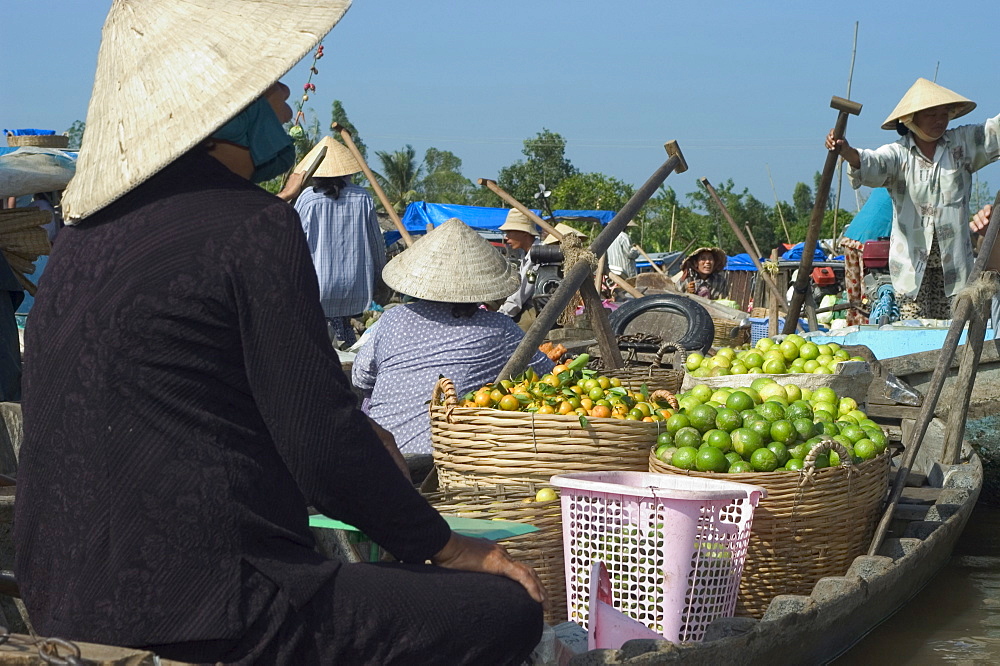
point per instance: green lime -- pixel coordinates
(764, 460)
(805, 428)
(720, 439)
(783, 431)
(665, 438)
(741, 467)
(728, 419)
(853, 433)
(781, 451)
(666, 454)
(865, 449)
(799, 451)
(676, 422)
(799, 409)
(828, 428)
(685, 457)
(687, 436)
(760, 382)
(771, 411)
(702, 392)
(739, 401)
(733, 457)
(822, 461)
(793, 464)
(746, 441)
(825, 394)
(711, 459)
(761, 427)
(702, 417)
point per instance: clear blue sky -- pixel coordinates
(739, 85)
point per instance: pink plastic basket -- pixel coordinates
(674, 546)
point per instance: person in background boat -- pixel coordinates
(520, 234)
(703, 273)
(622, 255)
(182, 402)
(928, 173)
(344, 238)
(444, 334)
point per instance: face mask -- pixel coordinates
(257, 128)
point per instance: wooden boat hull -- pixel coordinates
(840, 610)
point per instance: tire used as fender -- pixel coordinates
(700, 330)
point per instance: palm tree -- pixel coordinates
(399, 176)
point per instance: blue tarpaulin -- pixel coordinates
(874, 220)
(795, 254)
(421, 213)
(741, 262)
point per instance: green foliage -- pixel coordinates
(339, 115)
(546, 164)
(444, 182)
(400, 176)
(802, 199)
(75, 134)
(744, 209)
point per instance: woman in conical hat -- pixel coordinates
(928, 173)
(183, 406)
(703, 273)
(452, 271)
(344, 238)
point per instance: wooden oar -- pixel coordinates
(345, 134)
(492, 186)
(650, 260)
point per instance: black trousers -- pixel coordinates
(382, 614)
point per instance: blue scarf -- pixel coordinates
(257, 128)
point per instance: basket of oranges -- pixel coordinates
(530, 428)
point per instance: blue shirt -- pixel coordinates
(412, 345)
(346, 246)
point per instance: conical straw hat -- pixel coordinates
(453, 264)
(926, 94)
(565, 230)
(171, 72)
(339, 161)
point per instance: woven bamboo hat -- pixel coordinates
(518, 221)
(564, 229)
(926, 94)
(339, 161)
(23, 240)
(452, 264)
(171, 73)
(720, 258)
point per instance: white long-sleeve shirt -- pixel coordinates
(521, 299)
(930, 197)
(621, 256)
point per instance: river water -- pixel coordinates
(956, 618)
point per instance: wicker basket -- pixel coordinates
(730, 333)
(654, 376)
(38, 140)
(541, 550)
(490, 446)
(811, 525)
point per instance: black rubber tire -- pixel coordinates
(700, 330)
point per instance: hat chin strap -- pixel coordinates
(912, 126)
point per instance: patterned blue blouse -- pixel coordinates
(412, 345)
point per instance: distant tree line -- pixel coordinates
(666, 222)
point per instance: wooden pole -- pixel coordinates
(623, 283)
(599, 273)
(345, 134)
(777, 204)
(753, 241)
(574, 278)
(772, 305)
(492, 186)
(768, 280)
(966, 379)
(840, 168)
(673, 219)
(844, 107)
(650, 260)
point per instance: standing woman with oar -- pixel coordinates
(928, 173)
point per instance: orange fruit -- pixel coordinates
(483, 398)
(565, 407)
(509, 403)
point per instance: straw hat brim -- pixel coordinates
(339, 161)
(926, 94)
(720, 258)
(564, 229)
(452, 264)
(171, 73)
